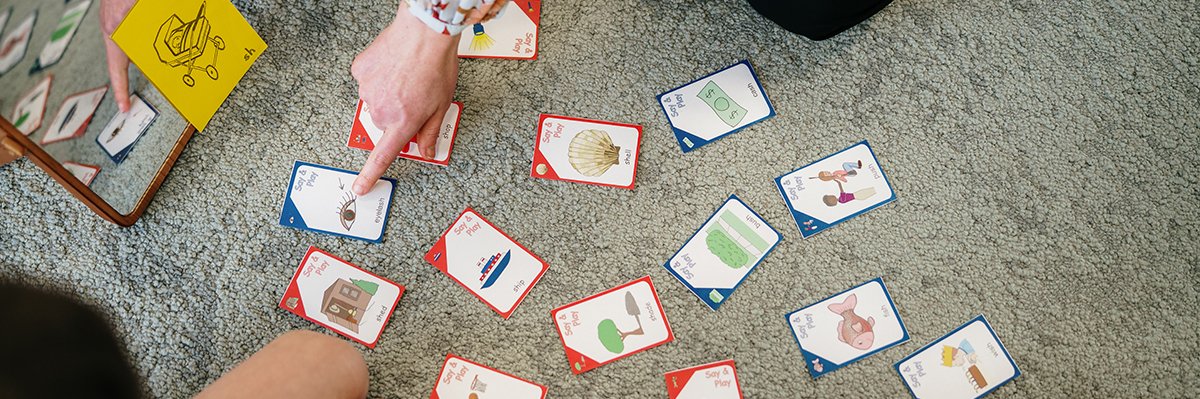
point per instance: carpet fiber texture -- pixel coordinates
(1043, 154)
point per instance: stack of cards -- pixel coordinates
(126, 128)
(513, 34)
(364, 134)
(64, 31)
(319, 198)
(27, 115)
(707, 381)
(847, 327)
(74, 115)
(15, 44)
(715, 106)
(586, 151)
(720, 255)
(463, 379)
(342, 297)
(611, 325)
(835, 188)
(967, 363)
(487, 262)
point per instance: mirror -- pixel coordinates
(115, 175)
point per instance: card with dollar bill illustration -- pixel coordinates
(716, 105)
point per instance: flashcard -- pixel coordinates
(4, 17)
(27, 115)
(74, 115)
(85, 173)
(612, 325)
(967, 363)
(461, 378)
(847, 327)
(319, 198)
(126, 128)
(62, 35)
(716, 105)
(491, 265)
(586, 151)
(707, 381)
(512, 34)
(723, 252)
(16, 43)
(835, 188)
(364, 134)
(194, 51)
(341, 297)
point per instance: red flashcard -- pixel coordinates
(364, 134)
(74, 115)
(85, 173)
(512, 34)
(341, 296)
(463, 379)
(612, 325)
(586, 151)
(707, 381)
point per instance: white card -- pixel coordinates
(512, 34)
(834, 189)
(13, 48)
(463, 379)
(847, 327)
(612, 325)
(74, 115)
(967, 363)
(85, 173)
(27, 115)
(341, 296)
(723, 252)
(364, 134)
(586, 151)
(320, 198)
(126, 128)
(716, 105)
(4, 17)
(63, 33)
(716, 380)
(487, 262)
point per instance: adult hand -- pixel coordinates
(112, 12)
(407, 78)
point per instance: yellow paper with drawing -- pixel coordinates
(194, 51)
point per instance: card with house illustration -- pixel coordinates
(463, 379)
(723, 252)
(847, 327)
(968, 363)
(319, 198)
(835, 188)
(512, 34)
(612, 325)
(364, 134)
(586, 151)
(342, 297)
(707, 381)
(716, 106)
(487, 262)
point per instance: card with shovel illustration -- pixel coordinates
(611, 325)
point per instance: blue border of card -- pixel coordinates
(681, 135)
(796, 215)
(124, 153)
(289, 208)
(1016, 373)
(725, 292)
(809, 357)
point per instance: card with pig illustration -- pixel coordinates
(847, 327)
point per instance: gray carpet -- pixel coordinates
(1043, 153)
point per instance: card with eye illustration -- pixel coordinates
(74, 115)
(512, 34)
(126, 128)
(586, 151)
(463, 379)
(716, 106)
(341, 297)
(847, 327)
(612, 325)
(364, 134)
(835, 189)
(492, 266)
(968, 363)
(319, 198)
(707, 381)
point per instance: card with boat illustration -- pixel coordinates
(847, 327)
(969, 362)
(491, 265)
(342, 297)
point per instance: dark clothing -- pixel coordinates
(818, 19)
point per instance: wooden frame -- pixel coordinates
(15, 145)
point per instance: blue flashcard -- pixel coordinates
(835, 188)
(126, 128)
(319, 198)
(715, 106)
(967, 363)
(725, 249)
(847, 327)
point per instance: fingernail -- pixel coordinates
(360, 187)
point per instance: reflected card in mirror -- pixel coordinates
(74, 115)
(27, 115)
(4, 17)
(64, 31)
(13, 48)
(319, 198)
(85, 173)
(126, 128)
